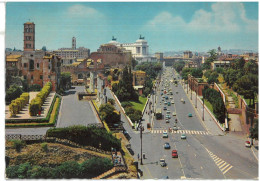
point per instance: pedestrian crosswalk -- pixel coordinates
(222, 165)
(180, 131)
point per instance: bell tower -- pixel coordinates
(29, 36)
(74, 43)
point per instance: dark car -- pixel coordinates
(164, 108)
(167, 145)
(174, 154)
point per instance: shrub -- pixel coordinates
(126, 104)
(12, 171)
(18, 144)
(23, 170)
(92, 135)
(111, 101)
(13, 92)
(35, 87)
(69, 169)
(44, 146)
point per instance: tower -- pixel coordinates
(74, 43)
(29, 36)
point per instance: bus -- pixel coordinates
(158, 113)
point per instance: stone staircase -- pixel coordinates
(106, 174)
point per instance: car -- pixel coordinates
(162, 90)
(175, 128)
(183, 136)
(171, 93)
(161, 94)
(169, 103)
(168, 116)
(248, 144)
(174, 154)
(168, 112)
(162, 162)
(165, 134)
(177, 92)
(190, 115)
(167, 145)
(166, 97)
(174, 113)
(167, 121)
(171, 97)
(172, 101)
(164, 108)
(165, 103)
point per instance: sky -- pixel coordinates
(167, 26)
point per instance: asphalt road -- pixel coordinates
(75, 112)
(201, 156)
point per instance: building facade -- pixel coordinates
(139, 49)
(70, 55)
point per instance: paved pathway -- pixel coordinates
(75, 112)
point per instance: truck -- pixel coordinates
(158, 113)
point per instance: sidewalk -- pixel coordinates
(24, 114)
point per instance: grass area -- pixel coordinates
(235, 99)
(207, 103)
(221, 78)
(54, 112)
(139, 105)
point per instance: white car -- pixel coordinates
(171, 98)
(172, 102)
(248, 144)
(174, 113)
(165, 134)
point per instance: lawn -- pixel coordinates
(209, 106)
(139, 105)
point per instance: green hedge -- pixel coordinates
(18, 104)
(87, 136)
(36, 103)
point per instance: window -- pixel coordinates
(41, 77)
(31, 77)
(49, 67)
(38, 65)
(62, 61)
(25, 65)
(49, 76)
(24, 77)
(31, 65)
(28, 38)
(31, 30)
(28, 46)
(70, 61)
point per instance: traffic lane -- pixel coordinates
(195, 159)
(153, 147)
(234, 152)
(182, 111)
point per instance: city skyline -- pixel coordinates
(167, 26)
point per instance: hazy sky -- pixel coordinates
(167, 26)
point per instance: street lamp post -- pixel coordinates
(187, 86)
(141, 137)
(196, 95)
(191, 90)
(203, 108)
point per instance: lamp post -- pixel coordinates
(141, 137)
(187, 86)
(196, 95)
(191, 90)
(203, 107)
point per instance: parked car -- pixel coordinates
(174, 154)
(248, 144)
(174, 113)
(167, 120)
(183, 136)
(165, 134)
(168, 116)
(172, 101)
(167, 145)
(190, 115)
(164, 108)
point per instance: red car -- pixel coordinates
(174, 154)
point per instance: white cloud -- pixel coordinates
(224, 17)
(83, 11)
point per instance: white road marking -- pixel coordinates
(227, 169)
(224, 168)
(220, 163)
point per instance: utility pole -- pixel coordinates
(187, 86)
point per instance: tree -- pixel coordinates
(111, 101)
(197, 72)
(239, 64)
(213, 78)
(230, 76)
(44, 48)
(179, 65)
(206, 65)
(134, 63)
(251, 67)
(254, 130)
(109, 114)
(65, 80)
(13, 92)
(213, 55)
